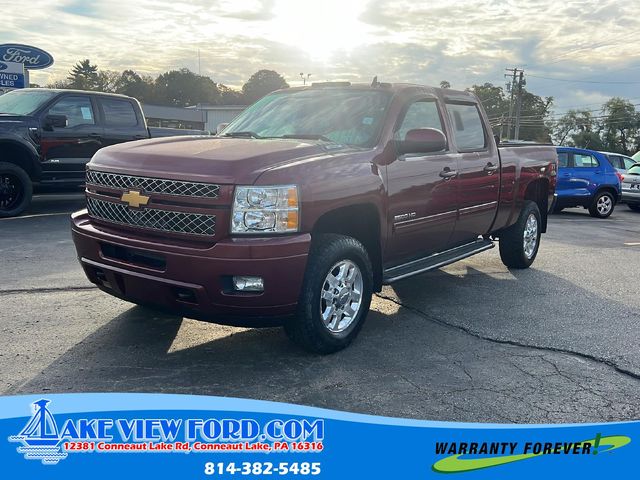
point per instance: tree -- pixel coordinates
(229, 96)
(261, 83)
(107, 81)
(445, 84)
(83, 76)
(573, 125)
(182, 87)
(535, 111)
(136, 86)
(619, 125)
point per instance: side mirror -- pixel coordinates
(221, 127)
(422, 140)
(55, 121)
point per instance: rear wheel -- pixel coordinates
(15, 190)
(602, 205)
(520, 242)
(335, 296)
(634, 206)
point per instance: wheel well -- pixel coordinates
(361, 222)
(538, 192)
(18, 155)
(609, 189)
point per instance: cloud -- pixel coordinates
(465, 42)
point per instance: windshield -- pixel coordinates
(345, 116)
(23, 102)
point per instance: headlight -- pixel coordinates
(265, 209)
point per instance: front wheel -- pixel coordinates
(335, 297)
(15, 190)
(520, 242)
(602, 205)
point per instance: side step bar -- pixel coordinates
(434, 261)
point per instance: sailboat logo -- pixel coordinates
(40, 437)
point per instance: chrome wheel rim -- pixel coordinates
(604, 204)
(530, 235)
(341, 296)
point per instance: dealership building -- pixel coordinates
(197, 117)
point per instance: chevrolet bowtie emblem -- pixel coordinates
(134, 198)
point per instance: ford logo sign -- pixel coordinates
(3, 66)
(33, 58)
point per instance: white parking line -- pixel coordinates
(35, 215)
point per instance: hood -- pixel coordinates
(207, 159)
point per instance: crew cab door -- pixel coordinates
(123, 121)
(66, 150)
(478, 182)
(422, 190)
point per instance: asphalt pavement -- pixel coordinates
(559, 342)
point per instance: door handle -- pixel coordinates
(94, 135)
(448, 174)
(490, 168)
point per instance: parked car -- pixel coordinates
(631, 187)
(47, 137)
(587, 179)
(620, 162)
(307, 203)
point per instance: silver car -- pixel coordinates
(620, 162)
(631, 187)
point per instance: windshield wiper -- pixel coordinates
(242, 134)
(307, 136)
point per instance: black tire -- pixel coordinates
(308, 329)
(595, 209)
(634, 206)
(512, 248)
(15, 190)
(557, 209)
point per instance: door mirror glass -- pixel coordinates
(422, 140)
(55, 121)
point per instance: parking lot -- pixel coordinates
(559, 342)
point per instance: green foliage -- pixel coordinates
(178, 88)
(261, 83)
(615, 129)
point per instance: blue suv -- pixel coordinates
(587, 179)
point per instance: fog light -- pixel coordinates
(248, 284)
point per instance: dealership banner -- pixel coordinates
(178, 436)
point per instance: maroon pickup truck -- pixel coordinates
(307, 203)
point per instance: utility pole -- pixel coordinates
(519, 104)
(516, 78)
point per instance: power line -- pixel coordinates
(582, 81)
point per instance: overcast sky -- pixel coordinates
(462, 41)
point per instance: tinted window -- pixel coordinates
(422, 114)
(563, 159)
(118, 113)
(467, 126)
(616, 161)
(581, 160)
(77, 109)
(634, 170)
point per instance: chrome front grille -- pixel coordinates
(153, 185)
(151, 218)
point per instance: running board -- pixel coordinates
(434, 261)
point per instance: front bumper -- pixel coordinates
(196, 282)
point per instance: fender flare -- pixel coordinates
(33, 169)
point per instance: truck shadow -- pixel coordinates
(403, 363)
